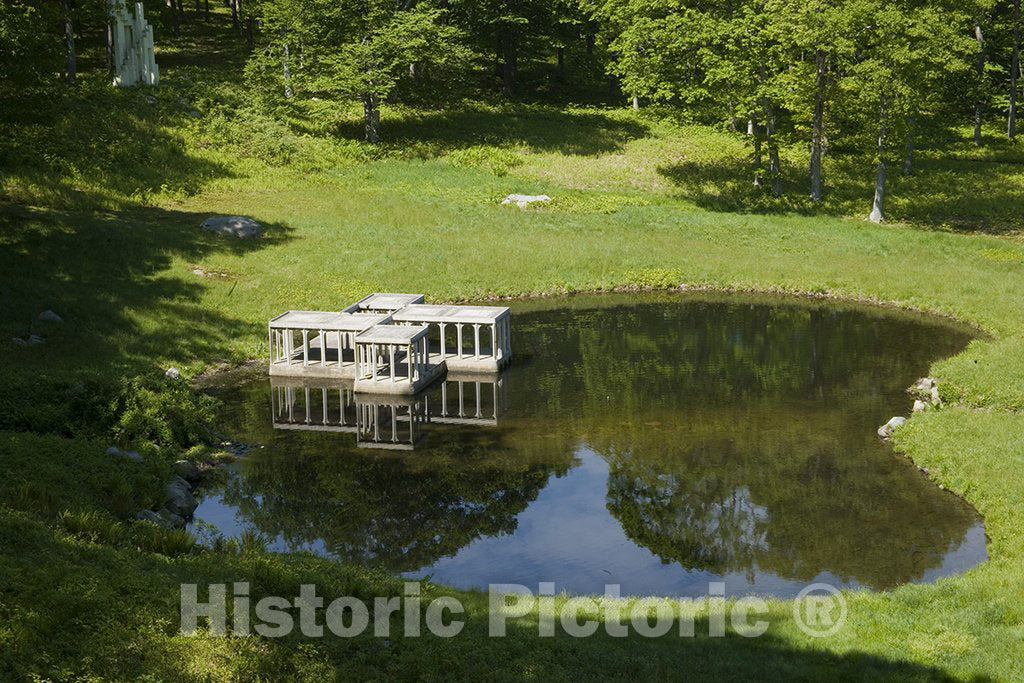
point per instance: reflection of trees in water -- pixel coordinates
(397, 512)
(796, 502)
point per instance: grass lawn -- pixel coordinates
(102, 226)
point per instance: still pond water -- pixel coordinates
(658, 442)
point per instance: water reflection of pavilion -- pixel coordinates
(386, 421)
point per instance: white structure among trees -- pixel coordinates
(133, 50)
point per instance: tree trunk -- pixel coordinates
(979, 104)
(174, 17)
(284, 64)
(234, 16)
(71, 70)
(878, 206)
(561, 61)
(510, 70)
(249, 30)
(752, 129)
(371, 117)
(110, 49)
(198, 8)
(774, 165)
(908, 156)
(206, 7)
(636, 103)
(1011, 124)
(818, 128)
(590, 39)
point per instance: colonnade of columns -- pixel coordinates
(500, 331)
(283, 347)
(373, 358)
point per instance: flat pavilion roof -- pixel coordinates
(428, 313)
(392, 334)
(320, 320)
(389, 302)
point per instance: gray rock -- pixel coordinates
(134, 456)
(236, 226)
(924, 385)
(148, 516)
(173, 373)
(886, 430)
(524, 200)
(935, 395)
(171, 520)
(186, 470)
(179, 499)
(919, 405)
(50, 317)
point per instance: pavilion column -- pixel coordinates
(391, 350)
(305, 347)
(442, 340)
(494, 341)
(476, 340)
(288, 346)
(458, 337)
(444, 398)
(373, 362)
(477, 398)
(462, 403)
(323, 395)
(409, 362)
(290, 392)
(323, 348)
(306, 392)
(270, 341)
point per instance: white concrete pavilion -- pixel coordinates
(390, 343)
(317, 344)
(393, 359)
(465, 338)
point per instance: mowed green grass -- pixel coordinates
(112, 242)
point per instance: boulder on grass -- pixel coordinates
(886, 430)
(180, 500)
(524, 200)
(235, 226)
(186, 470)
(49, 316)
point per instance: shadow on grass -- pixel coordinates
(584, 133)
(973, 193)
(78, 609)
(106, 275)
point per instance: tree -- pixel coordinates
(1015, 70)
(359, 50)
(904, 50)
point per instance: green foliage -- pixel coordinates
(497, 160)
(166, 413)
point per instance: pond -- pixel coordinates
(657, 442)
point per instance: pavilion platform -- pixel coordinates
(390, 343)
